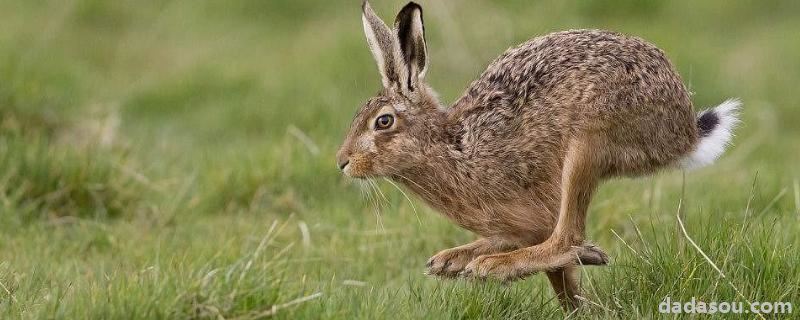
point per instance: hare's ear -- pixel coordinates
(384, 46)
(411, 35)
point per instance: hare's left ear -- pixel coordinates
(385, 49)
(411, 35)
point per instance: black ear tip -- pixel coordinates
(364, 5)
(413, 5)
(407, 13)
(409, 9)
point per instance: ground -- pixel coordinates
(176, 160)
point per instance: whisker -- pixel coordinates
(430, 194)
(376, 208)
(377, 188)
(361, 188)
(407, 198)
(366, 192)
(383, 205)
(373, 197)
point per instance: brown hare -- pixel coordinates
(517, 157)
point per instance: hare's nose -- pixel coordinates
(343, 163)
(342, 158)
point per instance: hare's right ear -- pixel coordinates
(384, 46)
(411, 35)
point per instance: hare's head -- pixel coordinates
(390, 131)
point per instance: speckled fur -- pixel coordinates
(517, 157)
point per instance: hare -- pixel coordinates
(517, 158)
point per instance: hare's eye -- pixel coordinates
(384, 122)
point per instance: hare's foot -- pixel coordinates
(448, 263)
(523, 262)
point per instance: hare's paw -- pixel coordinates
(590, 255)
(448, 263)
(505, 267)
(523, 262)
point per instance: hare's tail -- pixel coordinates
(715, 126)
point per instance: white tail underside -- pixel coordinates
(714, 144)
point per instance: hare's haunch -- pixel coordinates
(517, 157)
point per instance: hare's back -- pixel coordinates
(578, 67)
(555, 86)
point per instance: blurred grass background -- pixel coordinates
(174, 159)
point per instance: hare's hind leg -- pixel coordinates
(449, 262)
(583, 168)
(566, 285)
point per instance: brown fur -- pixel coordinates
(518, 156)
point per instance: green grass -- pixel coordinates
(154, 163)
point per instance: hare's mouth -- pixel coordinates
(352, 173)
(358, 172)
(347, 169)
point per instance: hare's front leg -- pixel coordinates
(449, 262)
(565, 248)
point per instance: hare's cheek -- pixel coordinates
(389, 141)
(367, 144)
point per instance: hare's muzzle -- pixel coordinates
(343, 164)
(342, 159)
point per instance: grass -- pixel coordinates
(175, 160)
